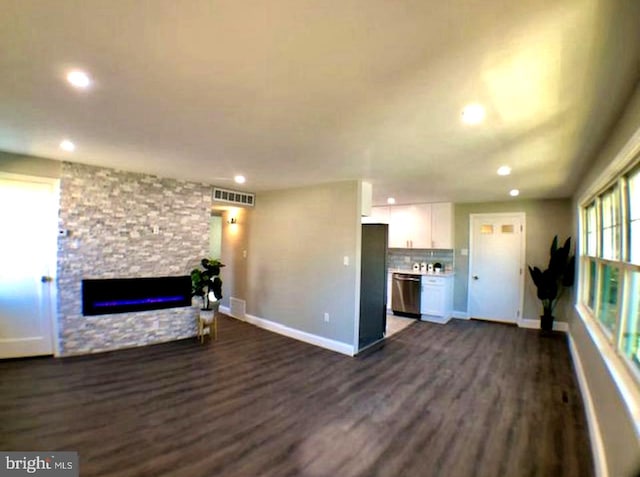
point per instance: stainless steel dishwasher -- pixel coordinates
(405, 294)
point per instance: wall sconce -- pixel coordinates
(232, 220)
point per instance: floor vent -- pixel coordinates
(234, 197)
(237, 308)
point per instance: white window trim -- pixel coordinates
(624, 374)
(616, 365)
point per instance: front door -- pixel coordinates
(28, 214)
(496, 266)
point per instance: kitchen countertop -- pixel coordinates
(424, 274)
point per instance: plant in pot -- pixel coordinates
(552, 282)
(206, 283)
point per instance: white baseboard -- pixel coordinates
(597, 446)
(535, 324)
(294, 333)
(460, 315)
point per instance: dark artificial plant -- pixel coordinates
(552, 282)
(207, 283)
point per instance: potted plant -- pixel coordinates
(552, 282)
(206, 283)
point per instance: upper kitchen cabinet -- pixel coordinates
(442, 225)
(410, 226)
(418, 225)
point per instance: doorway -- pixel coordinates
(28, 247)
(215, 236)
(496, 266)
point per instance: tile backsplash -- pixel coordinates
(404, 258)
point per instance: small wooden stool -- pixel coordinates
(208, 322)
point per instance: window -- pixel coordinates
(631, 334)
(591, 294)
(592, 247)
(610, 225)
(610, 264)
(608, 297)
(633, 196)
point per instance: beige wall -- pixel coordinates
(620, 441)
(29, 165)
(544, 219)
(297, 241)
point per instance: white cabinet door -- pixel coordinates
(442, 225)
(418, 225)
(410, 226)
(400, 227)
(436, 299)
(421, 231)
(432, 299)
(389, 284)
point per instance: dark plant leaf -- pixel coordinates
(554, 245)
(216, 288)
(570, 273)
(202, 281)
(559, 273)
(536, 275)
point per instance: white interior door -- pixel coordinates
(28, 214)
(496, 266)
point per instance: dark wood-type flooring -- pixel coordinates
(464, 399)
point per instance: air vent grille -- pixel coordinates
(234, 197)
(237, 308)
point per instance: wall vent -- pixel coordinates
(237, 308)
(234, 197)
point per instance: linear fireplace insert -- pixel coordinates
(120, 295)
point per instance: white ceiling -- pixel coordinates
(296, 92)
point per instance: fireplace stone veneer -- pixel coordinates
(123, 224)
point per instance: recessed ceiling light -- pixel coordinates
(473, 113)
(78, 79)
(67, 145)
(240, 179)
(514, 192)
(391, 200)
(504, 170)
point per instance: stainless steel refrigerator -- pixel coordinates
(373, 284)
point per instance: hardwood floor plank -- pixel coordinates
(464, 399)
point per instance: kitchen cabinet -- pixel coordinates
(436, 298)
(410, 226)
(417, 226)
(442, 225)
